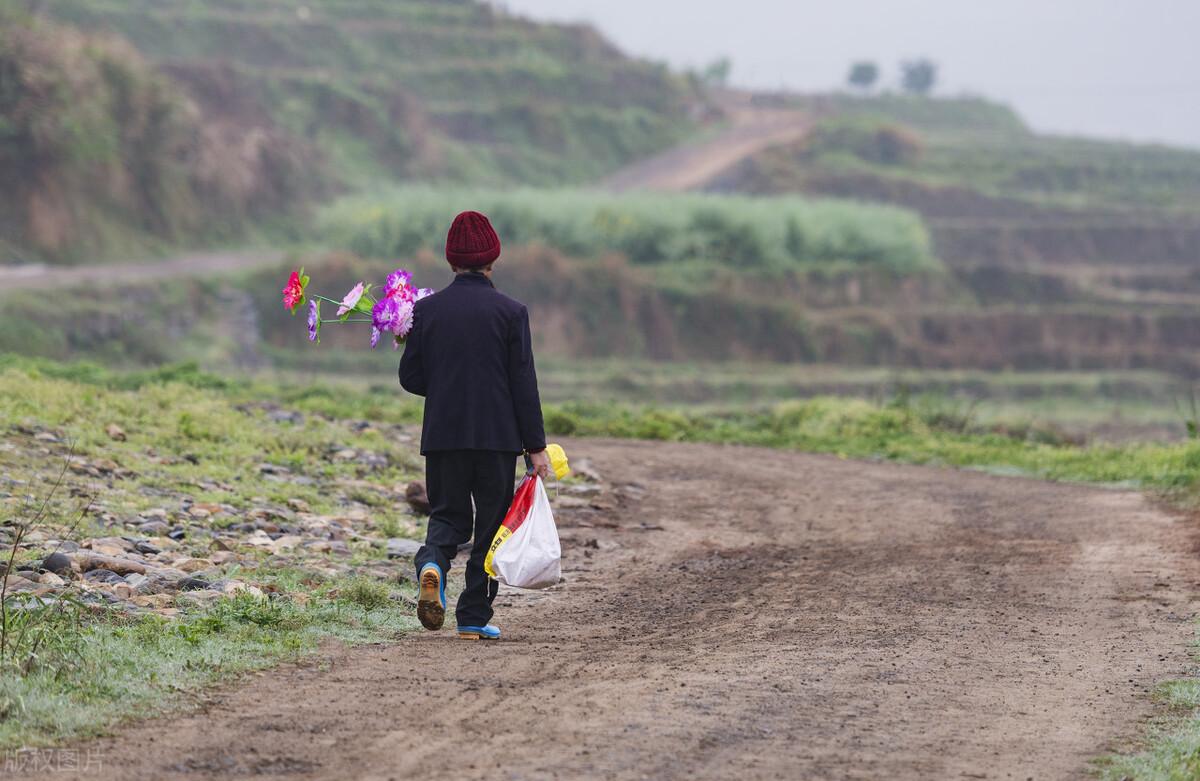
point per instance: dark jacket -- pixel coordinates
(469, 355)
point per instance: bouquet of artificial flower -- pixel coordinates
(390, 313)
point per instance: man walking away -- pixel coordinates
(469, 354)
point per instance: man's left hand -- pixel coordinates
(541, 464)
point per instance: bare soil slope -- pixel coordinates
(742, 613)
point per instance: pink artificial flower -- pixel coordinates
(351, 300)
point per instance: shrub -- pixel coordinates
(869, 139)
(367, 593)
(559, 422)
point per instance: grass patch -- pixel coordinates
(917, 430)
(1172, 750)
(367, 593)
(112, 669)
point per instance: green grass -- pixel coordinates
(203, 413)
(181, 434)
(921, 430)
(730, 232)
(367, 593)
(118, 668)
(1172, 747)
(1105, 406)
(1059, 396)
(926, 428)
(195, 435)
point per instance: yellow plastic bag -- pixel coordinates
(558, 461)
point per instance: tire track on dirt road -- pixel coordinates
(735, 612)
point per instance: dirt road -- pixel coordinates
(193, 264)
(691, 166)
(742, 613)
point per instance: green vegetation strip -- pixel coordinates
(920, 430)
(736, 232)
(923, 430)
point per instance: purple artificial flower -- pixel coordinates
(351, 299)
(386, 315)
(396, 282)
(424, 293)
(375, 332)
(314, 320)
(404, 321)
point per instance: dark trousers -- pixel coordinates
(452, 479)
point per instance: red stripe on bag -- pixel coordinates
(518, 511)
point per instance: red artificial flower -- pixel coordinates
(293, 292)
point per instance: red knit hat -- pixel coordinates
(471, 242)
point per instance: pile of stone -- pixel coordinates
(163, 560)
(158, 562)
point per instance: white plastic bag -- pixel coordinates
(525, 552)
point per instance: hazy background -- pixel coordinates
(679, 248)
(1121, 69)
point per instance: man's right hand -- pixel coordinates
(541, 464)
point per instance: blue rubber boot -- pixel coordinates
(488, 632)
(431, 599)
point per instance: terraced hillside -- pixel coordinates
(1073, 253)
(969, 157)
(399, 88)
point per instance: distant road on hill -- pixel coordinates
(691, 166)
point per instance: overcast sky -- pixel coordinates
(1111, 68)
